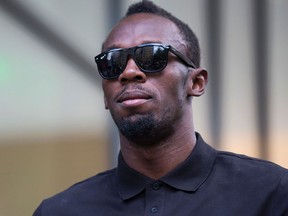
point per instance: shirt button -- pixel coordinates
(156, 186)
(154, 209)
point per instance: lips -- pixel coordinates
(133, 97)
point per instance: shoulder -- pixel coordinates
(86, 191)
(247, 161)
(247, 168)
(95, 183)
(239, 161)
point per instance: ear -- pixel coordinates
(198, 79)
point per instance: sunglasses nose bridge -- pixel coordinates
(130, 56)
(131, 66)
(131, 72)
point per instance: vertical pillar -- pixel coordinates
(213, 19)
(261, 74)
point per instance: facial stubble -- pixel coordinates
(145, 129)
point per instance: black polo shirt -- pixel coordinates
(208, 182)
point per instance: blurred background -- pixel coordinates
(54, 130)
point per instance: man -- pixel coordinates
(150, 70)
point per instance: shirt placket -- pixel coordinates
(154, 197)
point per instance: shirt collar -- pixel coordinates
(188, 176)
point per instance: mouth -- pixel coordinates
(133, 98)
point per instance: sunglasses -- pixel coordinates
(150, 58)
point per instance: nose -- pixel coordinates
(132, 73)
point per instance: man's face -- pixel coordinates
(147, 106)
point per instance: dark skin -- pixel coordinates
(166, 95)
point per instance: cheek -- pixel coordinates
(106, 103)
(107, 94)
(173, 88)
(108, 99)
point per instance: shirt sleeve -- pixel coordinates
(38, 210)
(281, 201)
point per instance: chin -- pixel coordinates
(145, 130)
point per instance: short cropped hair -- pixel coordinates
(193, 52)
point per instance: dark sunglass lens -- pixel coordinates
(111, 64)
(151, 58)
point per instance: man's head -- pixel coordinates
(149, 106)
(192, 50)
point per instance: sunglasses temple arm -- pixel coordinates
(182, 57)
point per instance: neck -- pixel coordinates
(157, 160)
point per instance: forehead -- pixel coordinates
(142, 28)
